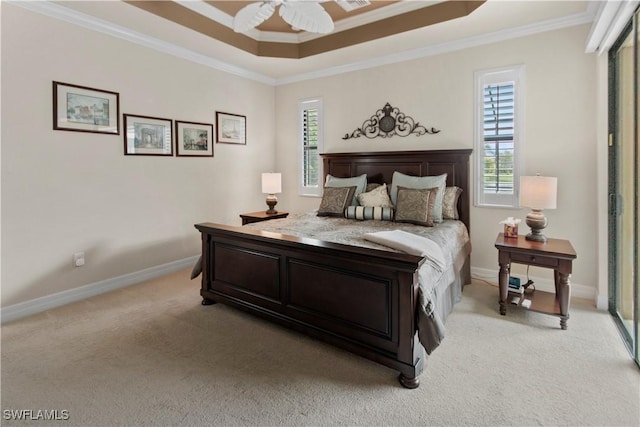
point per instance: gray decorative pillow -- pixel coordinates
(376, 197)
(450, 202)
(408, 181)
(334, 200)
(359, 181)
(416, 205)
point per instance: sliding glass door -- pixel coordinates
(624, 126)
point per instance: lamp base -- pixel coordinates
(272, 201)
(536, 237)
(537, 222)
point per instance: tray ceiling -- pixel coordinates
(198, 32)
(274, 38)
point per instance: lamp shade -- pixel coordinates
(538, 192)
(271, 183)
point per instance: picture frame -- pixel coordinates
(231, 128)
(194, 139)
(85, 109)
(147, 136)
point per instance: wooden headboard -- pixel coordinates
(379, 167)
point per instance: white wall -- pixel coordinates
(560, 130)
(65, 192)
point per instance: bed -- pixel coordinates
(362, 297)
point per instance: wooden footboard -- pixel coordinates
(360, 299)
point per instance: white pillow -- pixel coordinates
(421, 183)
(376, 197)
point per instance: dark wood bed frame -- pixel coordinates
(363, 300)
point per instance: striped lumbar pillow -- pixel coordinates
(369, 212)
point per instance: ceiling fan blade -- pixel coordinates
(306, 15)
(253, 15)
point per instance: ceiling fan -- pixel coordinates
(300, 14)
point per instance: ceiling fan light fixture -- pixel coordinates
(302, 15)
(253, 15)
(307, 16)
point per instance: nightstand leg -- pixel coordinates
(503, 280)
(563, 294)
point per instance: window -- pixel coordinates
(499, 130)
(310, 147)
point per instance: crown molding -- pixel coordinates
(207, 10)
(62, 13)
(215, 14)
(225, 19)
(497, 36)
(370, 17)
(343, 24)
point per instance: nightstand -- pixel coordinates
(249, 218)
(556, 254)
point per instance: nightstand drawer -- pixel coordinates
(537, 260)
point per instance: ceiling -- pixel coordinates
(277, 24)
(275, 38)
(388, 31)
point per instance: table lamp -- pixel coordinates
(538, 193)
(271, 185)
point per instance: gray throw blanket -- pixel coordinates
(431, 329)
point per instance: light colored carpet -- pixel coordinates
(152, 355)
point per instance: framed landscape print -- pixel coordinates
(84, 109)
(148, 136)
(194, 139)
(232, 128)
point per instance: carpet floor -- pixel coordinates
(150, 354)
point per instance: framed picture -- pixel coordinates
(232, 128)
(148, 136)
(84, 109)
(194, 139)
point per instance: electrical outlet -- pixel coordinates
(78, 259)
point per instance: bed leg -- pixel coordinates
(409, 382)
(207, 301)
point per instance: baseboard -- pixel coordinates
(577, 290)
(38, 305)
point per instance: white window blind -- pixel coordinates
(311, 144)
(498, 138)
(498, 141)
